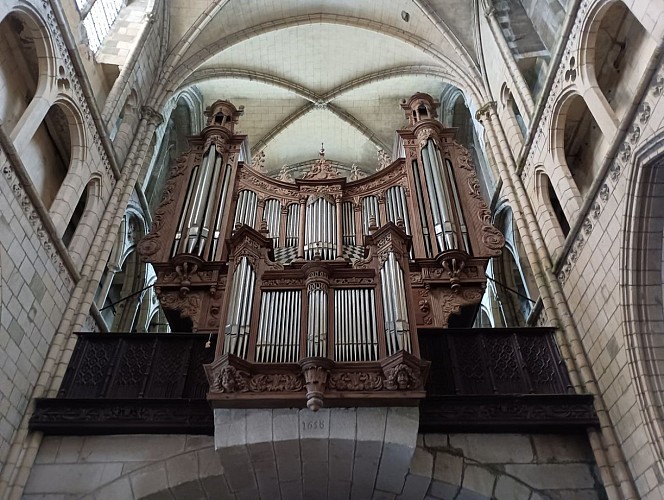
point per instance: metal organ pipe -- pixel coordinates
(355, 336)
(348, 221)
(320, 229)
(236, 333)
(292, 224)
(220, 212)
(272, 215)
(245, 211)
(396, 206)
(369, 209)
(191, 187)
(202, 202)
(457, 205)
(317, 320)
(426, 236)
(397, 329)
(440, 198)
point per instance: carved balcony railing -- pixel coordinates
(494, 378)
(129, 382)
(488, 380)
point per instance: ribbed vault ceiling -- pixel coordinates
(321, 71)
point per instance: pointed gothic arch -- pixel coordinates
(642, 283)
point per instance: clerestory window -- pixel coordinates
(98, 17)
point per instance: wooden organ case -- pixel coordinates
(317, 286)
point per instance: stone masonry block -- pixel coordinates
(285, 424)
(148, 480)
(553, 476)
(122, 448)
(507, 487)
(556, 449)
(64, 478)
(494, 448)
(371, 424)
(182, 468)
(447, 468)
(479, 480)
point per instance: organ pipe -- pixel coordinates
(369, 209)
(397, 330)
(245, 211)
(355, 337)
(272, 215)
(236, 334)
(424, 224)
(348, 221)
(278, 339)
(317, 320)
(292, 224)
(457, 205)
(320, 229)
(397, 206)
(220, 211)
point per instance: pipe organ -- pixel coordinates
(317, 287)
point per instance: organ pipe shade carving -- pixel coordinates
(316, 287)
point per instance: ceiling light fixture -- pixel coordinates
(405, 16)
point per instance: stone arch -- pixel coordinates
(642, 287)
(512, 270)
(515, 125)
(458, 75)
(479, 466)
(551, 217)
(24, 32)
(53, 158)
(614, 52)
(563, 176)
(84, 220)
(125, 275)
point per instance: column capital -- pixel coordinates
(152, 115)
(485, 110)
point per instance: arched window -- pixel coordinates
(48, 155)
(513, 278)
(515, 126)
(83, 221)
(24, 67)
(98, 18)
(642, 266)
(584, 144)
(622, 50)
(556, 208)
(550, 214)
(122, 133)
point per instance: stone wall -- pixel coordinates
(505, 466)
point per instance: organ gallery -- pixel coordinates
(315, 286)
